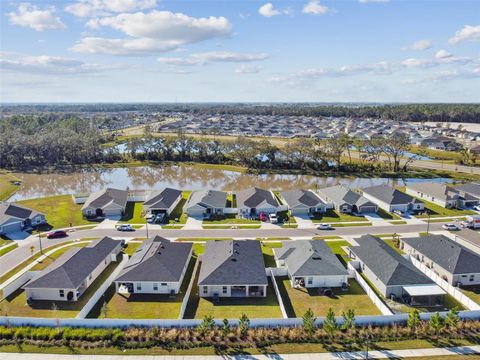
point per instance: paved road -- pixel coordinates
(15, 257)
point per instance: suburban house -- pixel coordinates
(233, 268)
(206, 203)
(162, 201)
(440, 143)
(441, 194)
(157, 267)
(104, 203)
(72, 273)
(392, 274)
(345, 200)
(391, 199)
(470, 191)
(253, 201)
(455, 263)
(15, 218)
(310, 264)
(303, 202)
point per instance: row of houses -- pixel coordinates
(448, 196)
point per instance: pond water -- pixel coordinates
(182, 177)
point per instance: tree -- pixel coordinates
(413, 320)
(330, 323)
(104, 309)
(394, 147)
(346, 142)
(308, 322)
(243, 324)
(452, 319)
(206, 325)
(225, 327)
(436, 322)
(334, 149)
(348, 319)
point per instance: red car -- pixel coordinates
(263, 216)
(56, 234)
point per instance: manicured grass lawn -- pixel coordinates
(398, 222)
(267, 250)
(229, 219)
(16, 304)
(335, 225)
(133, 213)
(437, 211)
(59, 210)
(334, 216)
(336, 247)
(51, 258)
(391, 243)
(230, 226)
(8, 248)
(177, 213)
(298, 301)
(327, 237)
(142, 306)
(386, 215)
(473, 292)
(131, 248)
(5, 241)
(7, 186)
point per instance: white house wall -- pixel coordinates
(430, 198)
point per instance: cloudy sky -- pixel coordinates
(187, 51)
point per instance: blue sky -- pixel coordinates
(188, 51)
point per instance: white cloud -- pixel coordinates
(268, 10)
(214, 56)
(443, 58)
(442, 54)
(89, 8)
(248, 69)
(314, 7)
(45, 64)
(420, 45)
(467, 33)
(28, 15)
(153, 32)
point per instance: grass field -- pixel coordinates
(7, 186)
(332, 216)
(59, 210)
(298, 301)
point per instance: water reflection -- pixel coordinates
(182, 176)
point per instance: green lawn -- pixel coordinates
(335, 225)
(16, 304)
(334, 216)
(398, 222)
(51, 258)
(473, 292)
(267, 250)
(230, 226)
(336, 247)
(177, 213)
(142, 306)
(386, 215)
(439, 211)
(7, 249)
(131, 248)
(133, 213)
(59, 210)
(391, 243)
(229, 219)
(4, 240)
(7, 186)
(298, 301)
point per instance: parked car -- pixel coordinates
(398, 212)
(476, 207)
(263, 216)
(157, 219)
(451, 227)
(325, 226)
(273, 218)
(125, 227)
(56, 234)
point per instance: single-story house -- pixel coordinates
(71, 274)
(104, 203)
(206, 203)
(455, 263)
(393, 275)
(470, 192)
(345, 200)
(15, 218)
(253, 201)
(441, 143)
(303, 202)
(391, 199)
(162, 201)
(310, 264)
(233, 268)
(441, 194)
(157, 267)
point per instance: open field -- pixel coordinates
(7, 185)
(334, 216)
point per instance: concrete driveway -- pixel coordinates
(304, 222)
(193, 223)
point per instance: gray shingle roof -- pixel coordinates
(448, 254)
(11, 210)
(162, 199)
(437, 190)
(74, 266)
(210, 198)
(301, 198)
(159, 260)
(340, 194)
(102, 198)
(390, 267)
(470, 188)
(253, 197)
(389, 195)
(232, 262)
(309, 258)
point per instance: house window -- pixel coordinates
(61, 293)
(164, 284)
(139, 286)
(224, 289)
(205, 289)
(155, 287)
(310, 280)
(472, 277)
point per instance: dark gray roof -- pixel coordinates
(390, 267)
(102, 198)
(73, 267)
(162, 199)
(309, 257)
(448, 254)
(10, 210)
(232, 262)
(470, 188)
(210, 198)
(157, 260)
(253, 197)
(389, 195)
(340, 194)
(302, 198)
(437, 190)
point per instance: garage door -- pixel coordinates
(300, 211)
(11, 228)
(368, 209)
(195, 212)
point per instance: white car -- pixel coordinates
(125, 227)
(273, 218)
(325, 226)
(476, 207)
(451, 227)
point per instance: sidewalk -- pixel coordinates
(383, 354)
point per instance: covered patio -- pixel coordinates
(424, 295)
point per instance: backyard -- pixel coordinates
(177, 213)
(473, 292)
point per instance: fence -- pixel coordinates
(277, 292)
(189, 290)
(17, 283)
(371, 294)
(452, 290)
(101, 290)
